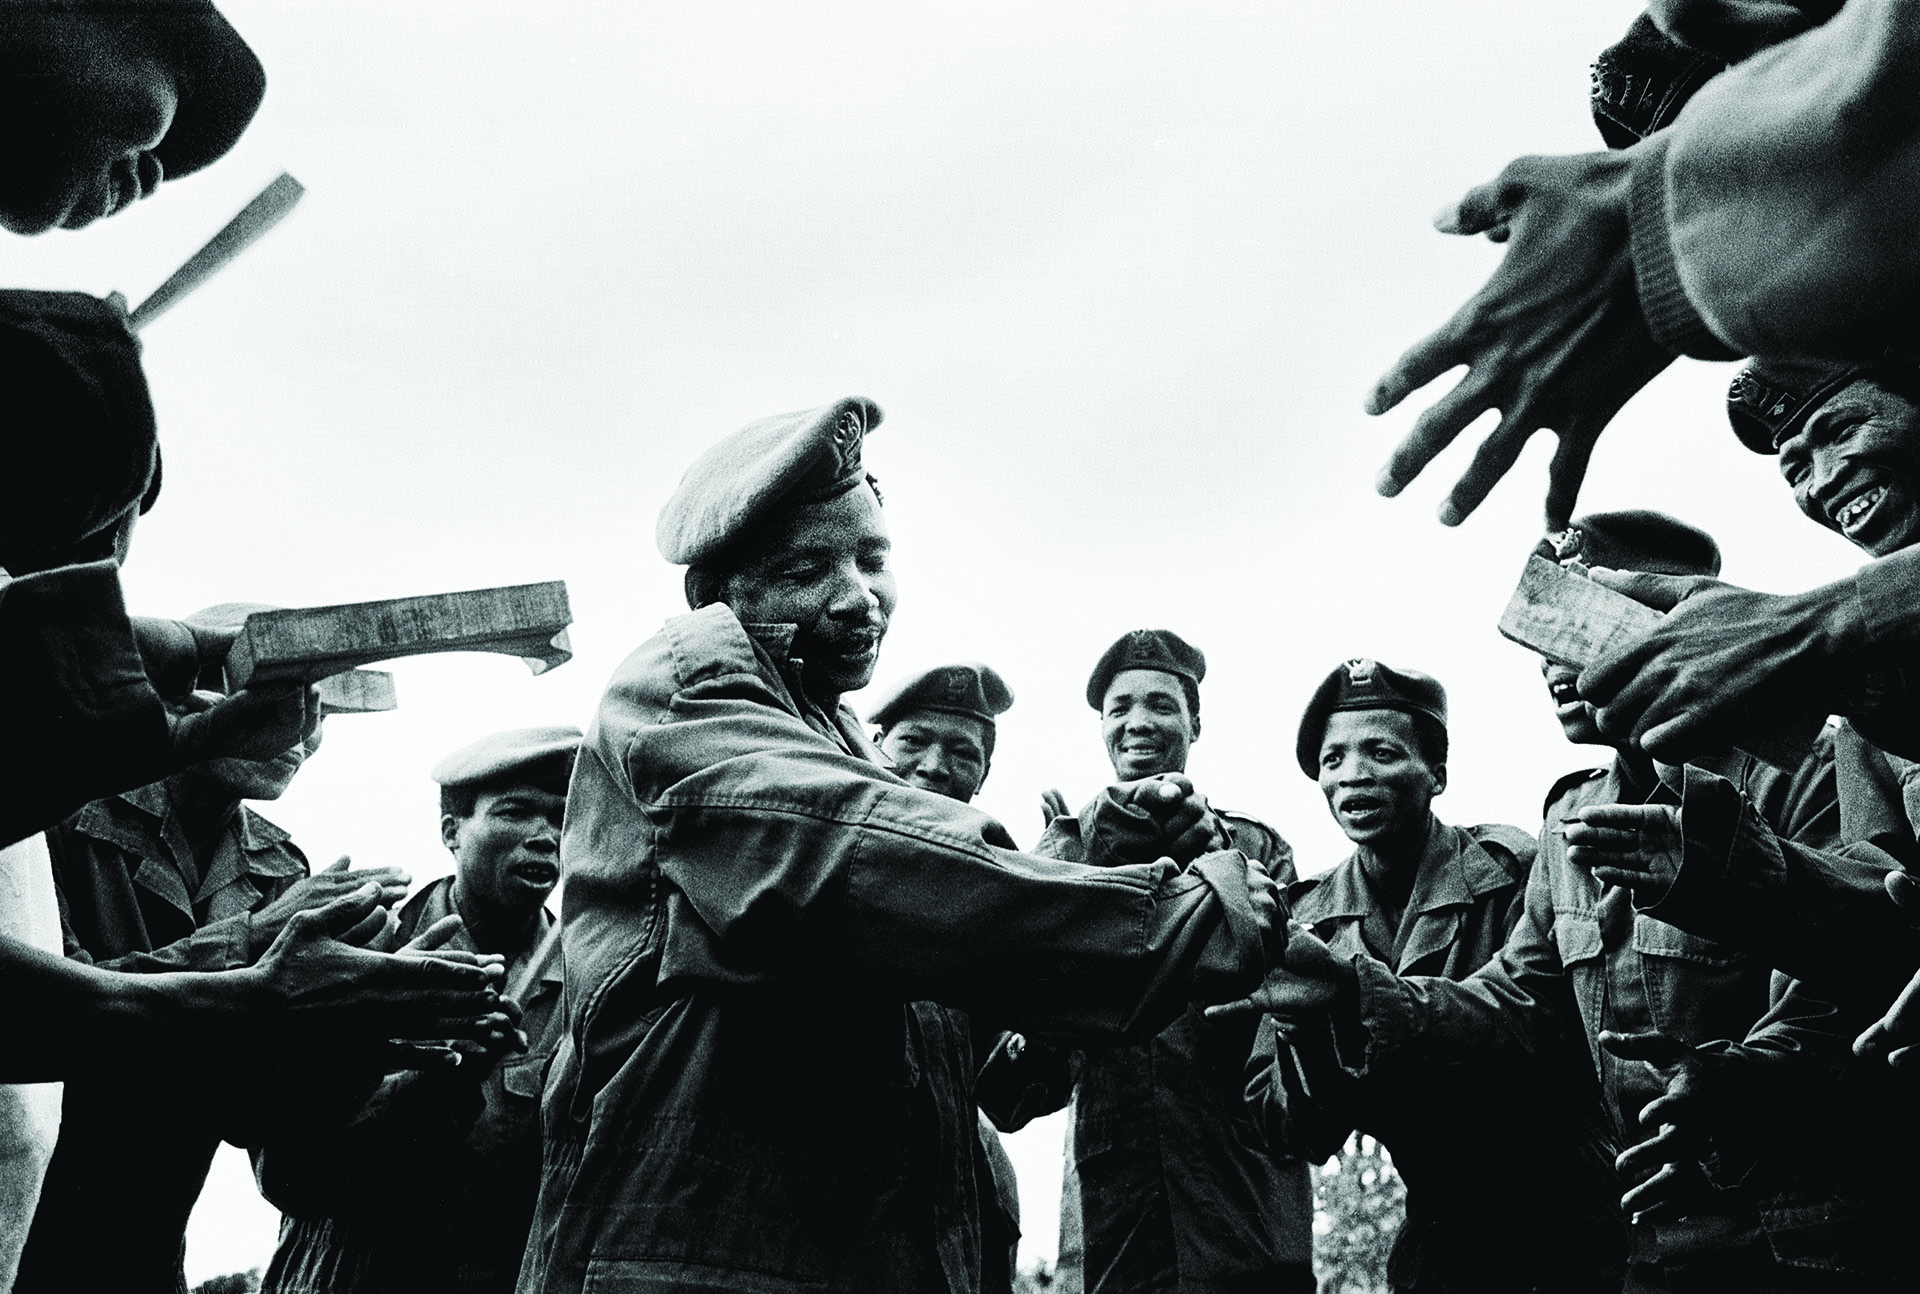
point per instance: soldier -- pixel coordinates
(1175, 1190)
(1426, 898)
(937, 731)
(430, 1186)
(106, 100)
(1756, 1206)
(180, 875)
(742, 1096)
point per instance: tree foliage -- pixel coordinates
(1359, 1202)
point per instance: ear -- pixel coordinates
(1196, 729)
(1439, 778)
(450, 832)
(985, 769)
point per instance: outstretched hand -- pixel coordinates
(1638, 846)
(1188, 825)
(1555, 339)
(1722, 652)
(1309, 980)
(1665, 1167)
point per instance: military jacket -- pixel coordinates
(457, 1162)
(1175, 1188)
(742, 1098)
(1564, 1232)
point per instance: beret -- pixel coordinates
(1160, 649)
(967, 688)
(1641, 82)
(217, 78)
(82, 445)
(502, 752)
(1636, 540)
(1362, 684)
(1769, 401)
(789, 458)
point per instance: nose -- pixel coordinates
(547, 839)
(854, 597)
(1823, 474)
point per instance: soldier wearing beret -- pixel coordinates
(1716, 1073)
(936, 730)
(1167, 1182)
(468, 1138)
(104, 100)
(742, 1097)
(1426, 898)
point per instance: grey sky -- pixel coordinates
(1120, 275)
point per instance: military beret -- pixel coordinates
(1636, 540)
(969, 688)
(787, 459)
(1641, 82)
(497, 754)
(1160, 649)
(1362, 684)
(1769, 401)
(217, 79)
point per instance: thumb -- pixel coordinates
(1480, 210)
(1661, 592)
(337, 916)
(437, 934)
(340, 864)
(1905, 891)
(1654, 1048)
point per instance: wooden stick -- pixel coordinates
(358, 691)
(267, 209)
(310, 643)
(1573, 621)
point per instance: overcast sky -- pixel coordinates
(1119, 274)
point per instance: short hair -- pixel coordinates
(551, 774)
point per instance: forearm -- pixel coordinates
(1770, 219)
(77, 1018)
(224, 945)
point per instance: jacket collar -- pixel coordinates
(143, 823)
(1454, 871)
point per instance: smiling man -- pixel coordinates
(1167, 1182)
(104, 99)
(937, 728)
(744, 1097)
(1426, 898)
(453, 1217)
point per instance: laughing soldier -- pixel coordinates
(743, 1098)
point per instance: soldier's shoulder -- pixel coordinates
(1573, 784)
(1513, 847)
(1246, 827)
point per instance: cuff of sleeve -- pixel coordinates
(1710, 809)
(1385, 1013)
(1226, 875)
(1663, 300)
(1884, 595)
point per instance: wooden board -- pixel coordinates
(358, 691)
(1573, 621)
(312, 643)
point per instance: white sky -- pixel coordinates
(1120, 275)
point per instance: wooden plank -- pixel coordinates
(358, 691)
(1568, 618)
(268, 208)
(311, 643)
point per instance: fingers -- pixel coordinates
(332, 918)
(437, 934)
(1626, 880)
(1484, 208)
(339, 864)
(1492, 461)
(1661, 592)
(1232, 1010)
(378, 927)
(1566, 473)
(1424, 361)
(1658, 1196)
(1438, 427)
(1655, 1048)
(1905, 891)
(1645, 1160)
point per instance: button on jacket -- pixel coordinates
(743, 1099)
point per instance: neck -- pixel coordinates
(203, 812)
(1636, 772)
(494, 930)
(1392, 863)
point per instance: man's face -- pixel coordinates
(254, 779)
(939, 752)
(508, 849)
(1147, 724)
(823, 567)
(86, 99)
(1375, 780)
(1855, 467)
(1575, 716)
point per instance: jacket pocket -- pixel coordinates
(1577, 936)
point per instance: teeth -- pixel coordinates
(1858, 508)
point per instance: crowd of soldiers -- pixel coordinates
(799, 985)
